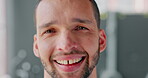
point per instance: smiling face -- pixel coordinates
(67, 39)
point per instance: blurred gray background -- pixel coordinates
(126, 25)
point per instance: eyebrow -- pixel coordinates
(48, 24)
(81, 20)
(73, 20)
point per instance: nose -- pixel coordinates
(66, 42)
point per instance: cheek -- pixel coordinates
(91, 45)
(45, 48)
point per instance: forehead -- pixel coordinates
(62, 3)
(49, 10)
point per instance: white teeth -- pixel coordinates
(72, 61)
(65, 62)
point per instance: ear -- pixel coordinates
(35, 46)
(102, 40)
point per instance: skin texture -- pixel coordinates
(67, 30)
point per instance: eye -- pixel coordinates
(81, 28)
(50, 31)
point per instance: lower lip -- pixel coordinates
(69, 68)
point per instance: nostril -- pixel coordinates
(67, 48)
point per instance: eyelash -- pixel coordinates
(50, 31)
(77, 29)
(81, 28)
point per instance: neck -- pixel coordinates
(92, 75)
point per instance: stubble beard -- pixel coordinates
(85, 73)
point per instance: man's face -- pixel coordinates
(67, 39)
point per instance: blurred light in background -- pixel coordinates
(123, 6)
(139, 5)
(3, 40)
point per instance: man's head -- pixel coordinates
(68, 40)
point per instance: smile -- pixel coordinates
(69, 63)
